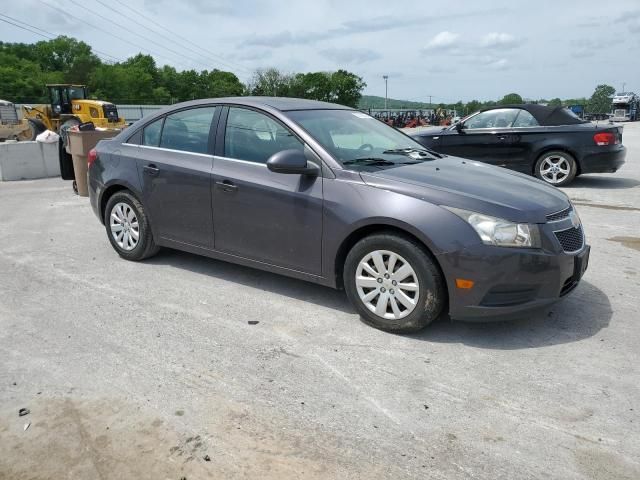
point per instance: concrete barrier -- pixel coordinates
(28, 160)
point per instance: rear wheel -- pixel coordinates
(393, 283)
(128, 227)
(556, 168)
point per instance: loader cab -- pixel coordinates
(62, 96)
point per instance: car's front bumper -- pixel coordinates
(509, 283)
(597, 160)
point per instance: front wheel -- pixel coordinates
(393, 283)
(36, 127)
(556, 168)
(128, 227)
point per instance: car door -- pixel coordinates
(269, 217)
(486, 137)
(175, 162)
(524, 133)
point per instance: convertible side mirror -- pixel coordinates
(460, 127)
(293, 162)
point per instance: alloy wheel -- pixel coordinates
(124, 226)
(554, 169)
(387, 284)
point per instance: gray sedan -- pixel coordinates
(328, 194)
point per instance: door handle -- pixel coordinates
(151, 170)
(226, 186)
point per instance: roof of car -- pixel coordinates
(545, 115)
(279, 103)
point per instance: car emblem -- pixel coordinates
(575, 219)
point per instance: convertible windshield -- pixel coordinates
(356, 139)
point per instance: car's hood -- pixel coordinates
(474, 186)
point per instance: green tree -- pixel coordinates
(555, 102)
(346, 88)
(511, 99)
(472, 106)
(270, 82)
(221, 84)
(73, 58)
(600, 101)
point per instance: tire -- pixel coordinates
(556, 168)
(120, 204)
(36, 127)
(428, 296)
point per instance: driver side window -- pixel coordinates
(254, 136)
(499, 118)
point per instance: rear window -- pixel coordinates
(525, 119)
(151, 133)
(188, 130)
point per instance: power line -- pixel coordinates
(179, 54)
(128, 42)
(220, 59)
(134, 33)
(24, 28)
(47, 35)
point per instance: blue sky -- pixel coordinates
(450, 50)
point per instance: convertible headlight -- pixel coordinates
(496, 231)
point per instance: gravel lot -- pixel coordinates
(143, 370)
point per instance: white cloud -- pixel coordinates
(500, 64)
(350, 55)
(499, 40)
(442, 41)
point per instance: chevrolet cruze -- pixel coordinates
(328, 194)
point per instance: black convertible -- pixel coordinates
(549, 142)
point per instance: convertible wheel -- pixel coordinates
(556, 168)
(128, 228)
(393, 283)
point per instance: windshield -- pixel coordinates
(357, 139)
(77, 93)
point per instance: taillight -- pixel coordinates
(605, 138)
(92, 156)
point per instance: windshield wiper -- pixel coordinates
(369, 161)
(408, 151)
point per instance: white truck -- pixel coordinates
(625, 107)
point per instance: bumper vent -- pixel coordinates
(571, 239)
(568, 286)
(554, 217)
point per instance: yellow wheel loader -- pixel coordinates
(69, 106)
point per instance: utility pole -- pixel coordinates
(623, 85)
(386, 78)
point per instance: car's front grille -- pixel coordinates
(571, 239)
(554, 217)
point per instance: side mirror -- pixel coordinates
(460, 127)
(292, 161)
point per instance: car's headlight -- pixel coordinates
(496, 231)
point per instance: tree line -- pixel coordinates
(26, 68)
(599, 102)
